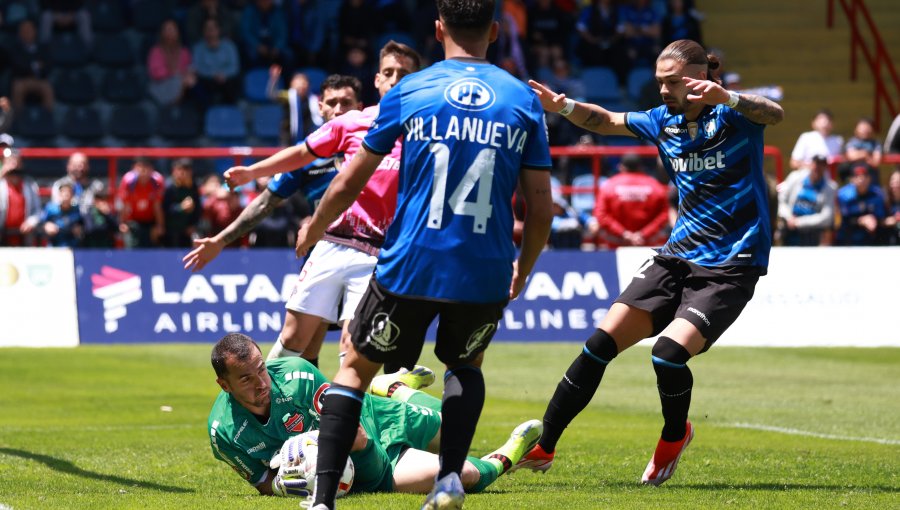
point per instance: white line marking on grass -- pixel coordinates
(4, 507)
(798, 432)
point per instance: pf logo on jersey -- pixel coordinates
(470, 94)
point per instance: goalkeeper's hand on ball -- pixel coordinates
(290, 481)
(291, 453)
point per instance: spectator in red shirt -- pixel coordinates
(20, 205)
(632, 208)
(221, 207)
(140, 198)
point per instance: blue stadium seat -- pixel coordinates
(266, 122)
(106, 16)
(82, 123)
(179, 123)
(130, 122)
(315, 76)
(74, 86)
(35, 123)
(226, 124)
(68, 50)
(583, 201)
(113, 50)
(123, 85)
(255, 82)
(148, 15)
(637, 78)
(601, 84)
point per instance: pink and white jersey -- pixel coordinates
(367, 220)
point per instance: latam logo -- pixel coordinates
(117, 289)
(470, 94)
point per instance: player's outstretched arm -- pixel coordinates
(341, 193)
(208, 248)
(285, 160)
(538, 217)
(585, 115)
(755, 108)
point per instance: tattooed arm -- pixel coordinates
(208, 248)
(759, 109)
(585, 115)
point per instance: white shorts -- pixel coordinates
(334, 275)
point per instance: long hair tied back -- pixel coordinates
(690, 52)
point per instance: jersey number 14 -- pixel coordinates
(480, 172)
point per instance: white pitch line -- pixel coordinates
(4, 507)
(798, 432)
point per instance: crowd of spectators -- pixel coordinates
(200, 53)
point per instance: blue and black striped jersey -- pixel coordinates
(716, 163)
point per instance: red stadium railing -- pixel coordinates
(877, 56)
(113, 155)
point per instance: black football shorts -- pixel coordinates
(709, 298)
(391, 327)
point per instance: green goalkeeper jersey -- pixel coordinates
(238, 437)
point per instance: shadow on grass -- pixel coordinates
(70, 468)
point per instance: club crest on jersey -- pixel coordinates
(478, 338)
(692, 129)
(384, 333)
(470, 94)
(711, 129)
(293, 423)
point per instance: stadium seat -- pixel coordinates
(255, 82)
(226, 124)
(583, 201)
(600, 84)
(266, 122)
(130, 122)
(113, 50)
(35, 123)
(148, 15)
(74, 86)
(68, 50)
(106, 16)
(315, 76)
(122, 86)
(178, 123)
(637, 78)
(82, 123)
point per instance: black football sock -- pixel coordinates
(577, 387)
(674, 381)
(393, 366)
(461, 408)
(338, 423)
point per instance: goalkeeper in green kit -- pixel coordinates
(264, 405)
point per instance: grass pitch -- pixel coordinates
(776, 428)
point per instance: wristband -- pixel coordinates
(568, 108)
(733, 98)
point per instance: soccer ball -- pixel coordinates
(310, 447)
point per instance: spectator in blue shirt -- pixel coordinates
(265, 35)
(642, 30)
(62, 221)
(863, 210)
(217, 65)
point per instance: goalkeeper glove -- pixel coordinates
(290, 482)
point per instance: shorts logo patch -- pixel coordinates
(477, 338)
(700, 314)
(384, 333)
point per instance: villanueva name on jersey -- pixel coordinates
(469, 129)
(695, 162)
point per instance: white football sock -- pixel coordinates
(280, 351)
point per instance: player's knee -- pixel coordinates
(670, 353)
(469, 475)
(601, 347)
